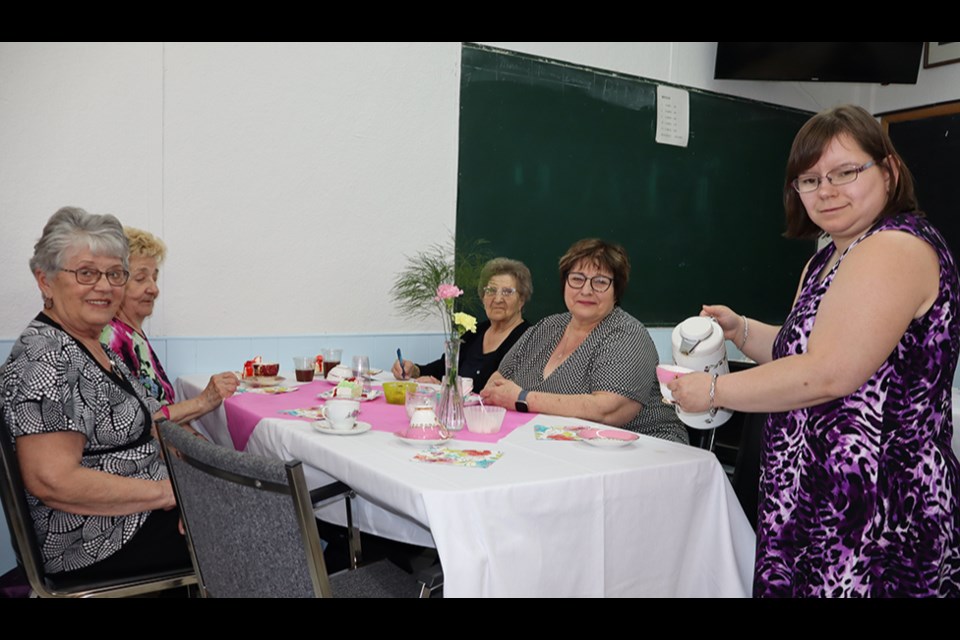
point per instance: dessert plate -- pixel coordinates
(607, 438)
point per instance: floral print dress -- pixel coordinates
(859, 495)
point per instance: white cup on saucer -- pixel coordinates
(341, 414)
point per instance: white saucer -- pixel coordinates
(415, 442)
(324, 427)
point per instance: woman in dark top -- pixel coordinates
(506, 285)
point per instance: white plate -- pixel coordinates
(608, 438)
(257, 382)
(367, 396)
(415, 442)
(324, 427)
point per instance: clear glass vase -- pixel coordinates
(450, 407)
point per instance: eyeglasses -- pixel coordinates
(841, 175)
(598, 283)
(491, 292)
(86, 275)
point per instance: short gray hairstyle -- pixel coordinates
(508, 267)
(72, 228)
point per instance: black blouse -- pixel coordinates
(474, 363)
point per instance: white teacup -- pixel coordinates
(423, 416)
(341, 414)
(423, 425)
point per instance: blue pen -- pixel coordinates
(400, 360)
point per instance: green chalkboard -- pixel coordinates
(551, 153)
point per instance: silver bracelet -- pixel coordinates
(713, 393)
(746, 332)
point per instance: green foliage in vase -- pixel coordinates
(415, 287)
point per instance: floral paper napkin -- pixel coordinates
(313, 413)
(571, 434)
(481, 458)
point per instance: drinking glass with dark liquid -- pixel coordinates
(304, 367)
(331, 359)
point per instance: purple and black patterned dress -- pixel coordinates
(860, 496)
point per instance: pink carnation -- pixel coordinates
(447, 291)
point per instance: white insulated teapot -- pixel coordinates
(698, 344)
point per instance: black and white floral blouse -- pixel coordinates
(51, 383)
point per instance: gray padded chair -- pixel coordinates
(251, 528)
(24, 539)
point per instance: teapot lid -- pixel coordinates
(693, 331)
(696, 328)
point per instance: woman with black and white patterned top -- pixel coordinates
(595, 362)
(99, 496)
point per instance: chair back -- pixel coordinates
(249, 520)
(14, 500)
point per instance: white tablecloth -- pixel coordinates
(559, 519)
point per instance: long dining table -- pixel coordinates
(541, 517)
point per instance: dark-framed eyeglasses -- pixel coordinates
(88, 276)
(506, 292)
(841, 175)
(598, 283)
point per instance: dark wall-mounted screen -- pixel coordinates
(880, 62)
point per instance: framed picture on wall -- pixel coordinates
(937, 53)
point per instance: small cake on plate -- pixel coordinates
(348, 388)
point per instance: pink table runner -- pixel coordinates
(246, 410)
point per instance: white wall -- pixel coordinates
(937, 84)
(287, 179)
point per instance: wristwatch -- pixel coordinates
(521, 404)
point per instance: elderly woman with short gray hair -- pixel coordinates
(82, 424)
(505, 286)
